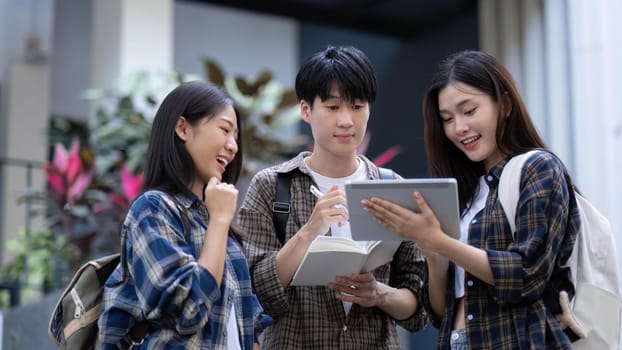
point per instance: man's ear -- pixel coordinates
(305, 111)
(182, 129)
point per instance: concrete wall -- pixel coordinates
(242, 42)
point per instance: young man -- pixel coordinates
(336, 88)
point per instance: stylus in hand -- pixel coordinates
(317, 193)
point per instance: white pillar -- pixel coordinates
(534, 87)
(590, 82)
(511, 38)
(489, 36)
(130, 36)
(24, 103)
(557, 77)
(612, 118)
(25, 132)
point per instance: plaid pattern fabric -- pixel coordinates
(518, 311)
(181, 300)
(310, 317)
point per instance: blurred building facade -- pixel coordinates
(564, 55)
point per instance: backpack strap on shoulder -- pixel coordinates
(281, 205)
(386, 174)
(136, 336)
(184, 218)
(509, 187)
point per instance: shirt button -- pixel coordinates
(489, 177)
(455, 336)
(474, 221)
(470, 317)
(224, 333)
(345, 328)
(470, 283)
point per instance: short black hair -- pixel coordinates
(346, 66)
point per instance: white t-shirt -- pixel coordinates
(324, 183)
(478, 203)
(233, 334)
(231, 294)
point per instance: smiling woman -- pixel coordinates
(492, 282)
(470, 122)
(183, 255)
(211, 143)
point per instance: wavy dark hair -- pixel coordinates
(168, 165)
(515, 131)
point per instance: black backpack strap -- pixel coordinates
(281, 205)
(135, 337)
(137, 333)
(386, 174)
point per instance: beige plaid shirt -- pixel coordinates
(310, 317)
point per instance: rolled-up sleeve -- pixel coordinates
(522, 270)
(407, 271)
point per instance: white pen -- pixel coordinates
(316, 192)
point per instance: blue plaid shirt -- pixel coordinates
(166, 287)
(517, 312)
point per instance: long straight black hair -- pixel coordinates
(168, 165)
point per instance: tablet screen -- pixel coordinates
(441, 194)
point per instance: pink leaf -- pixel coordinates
(74, 168)
(60, 157)
(75, 146)
(131, 183)
(119, 200)
(79, 185)
(55, 179)
(387, 155)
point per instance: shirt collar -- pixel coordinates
(299, 163)
(187, 198)
(495, 172)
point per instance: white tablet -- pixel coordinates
(441, 194)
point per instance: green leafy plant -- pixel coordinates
(36, 256)
(119, 132)
(267, 109)
(90, 184)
